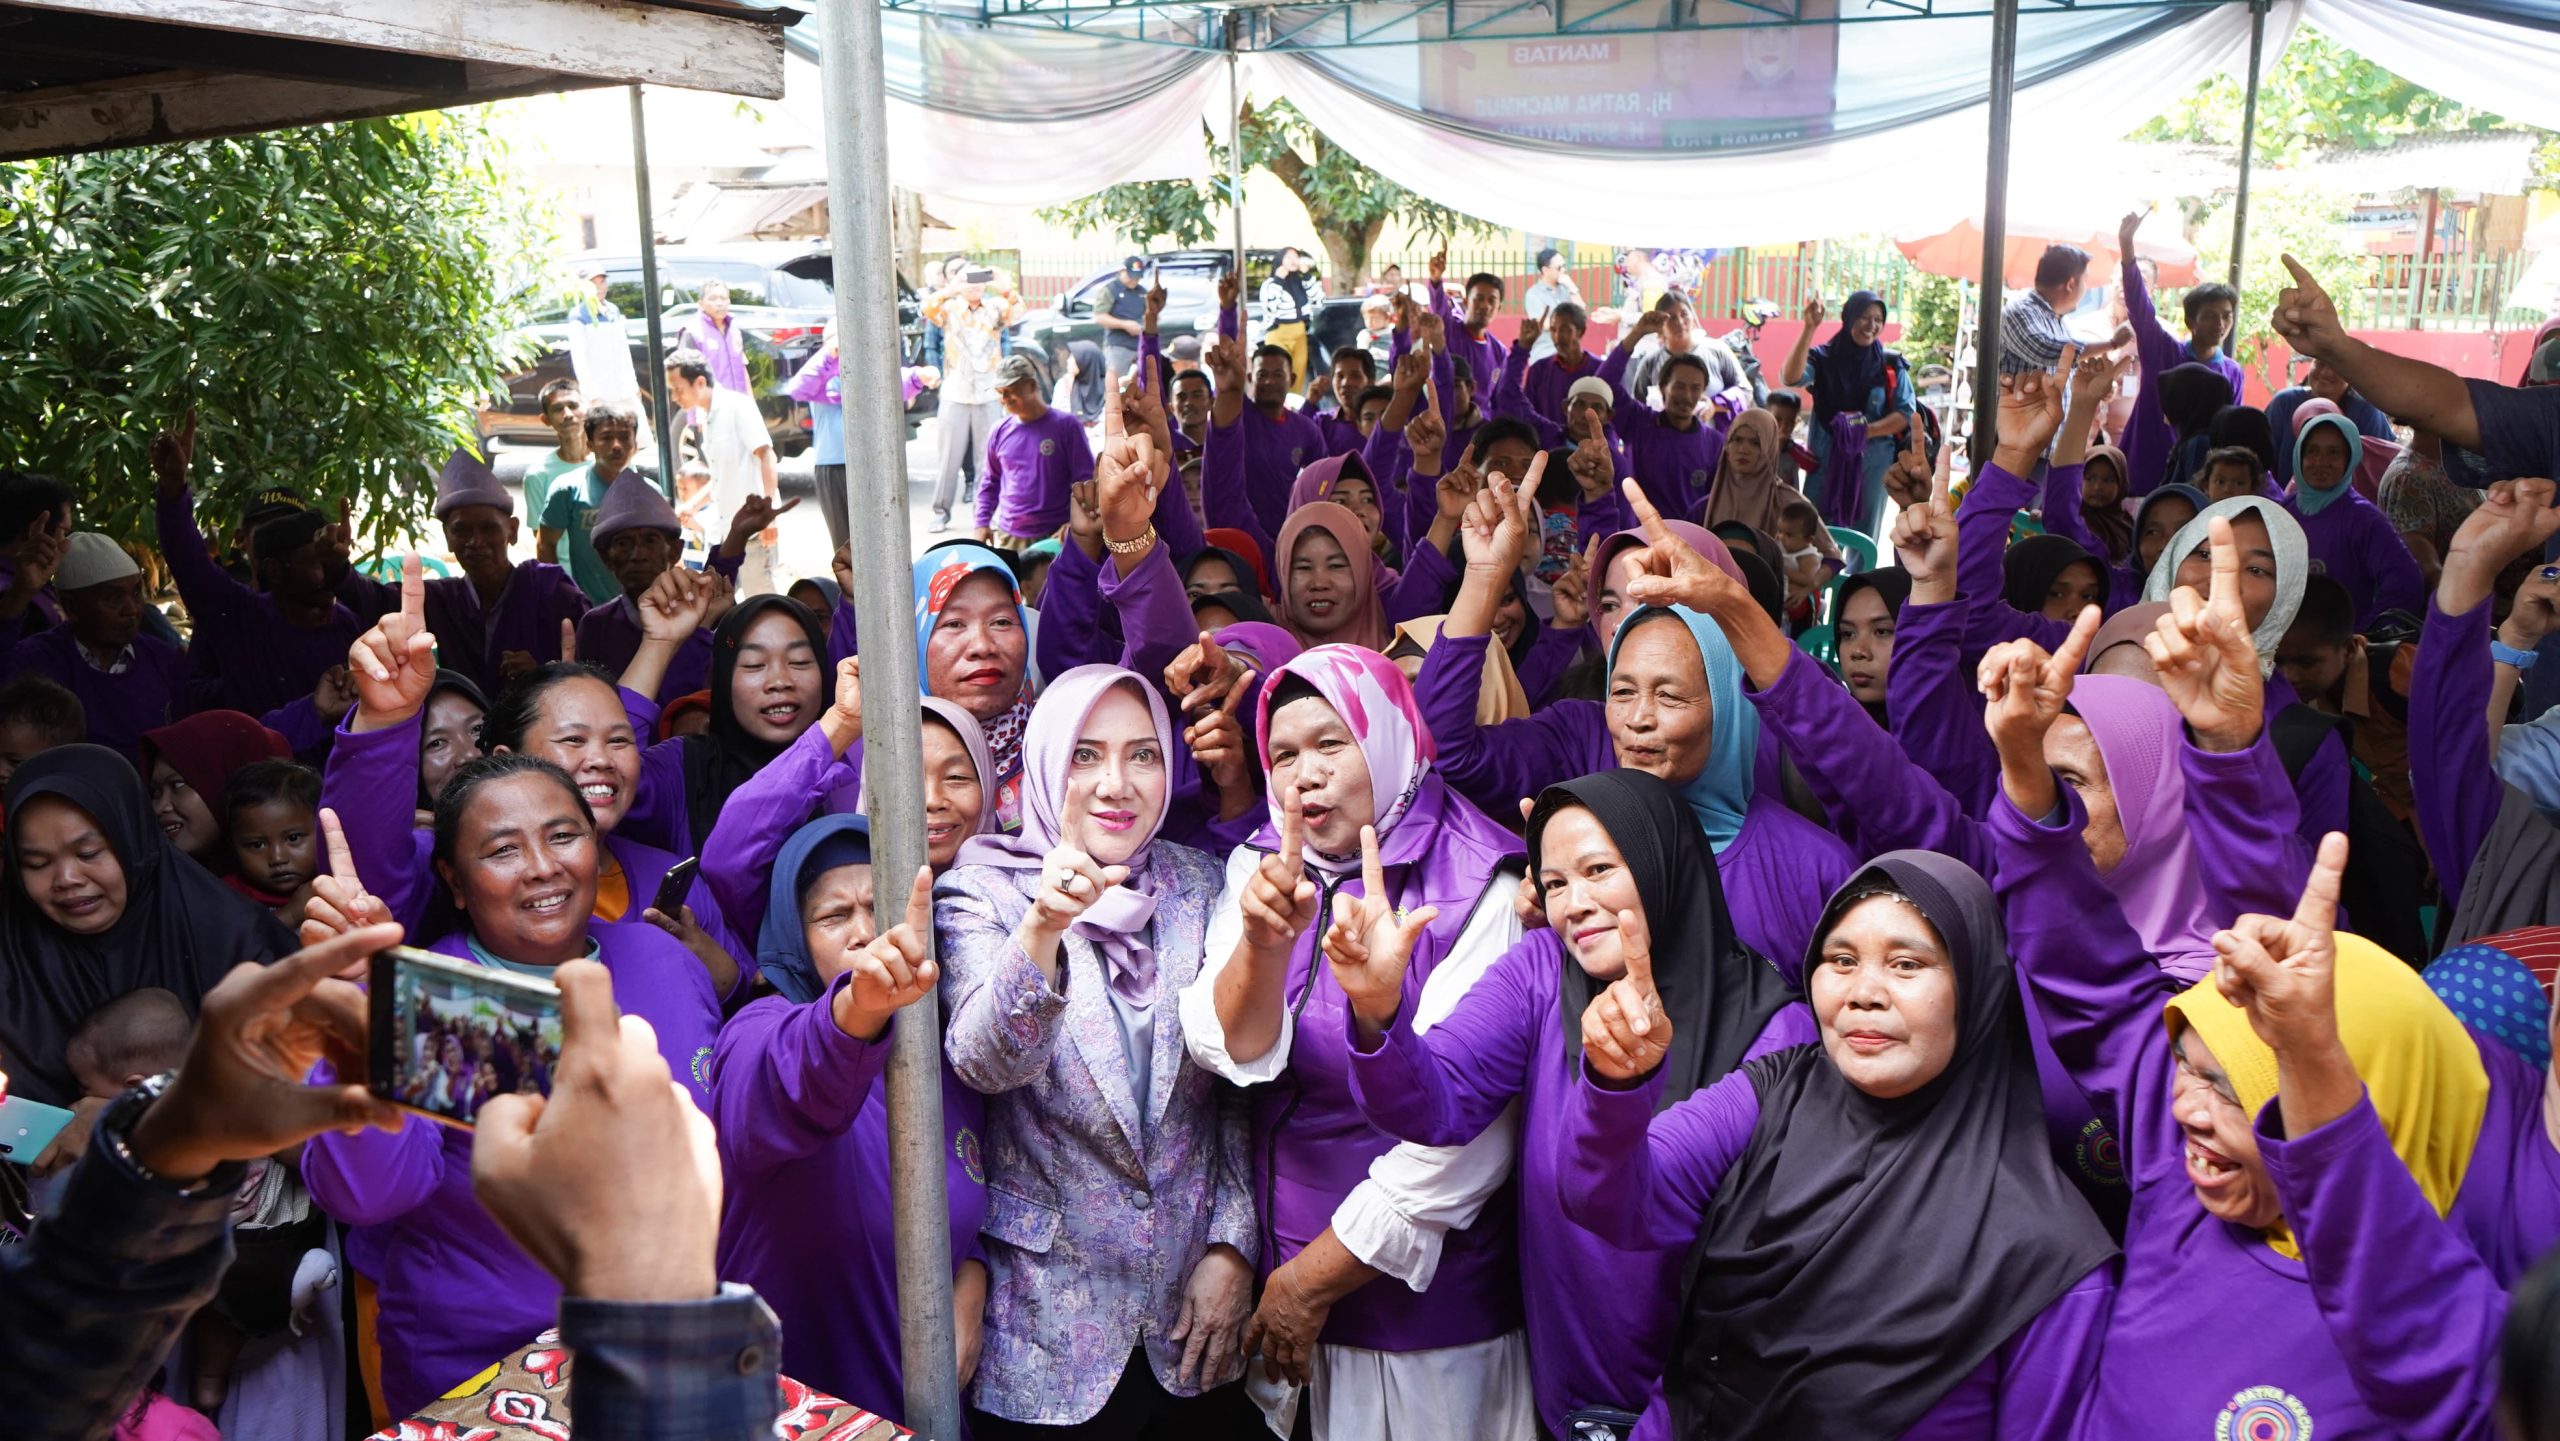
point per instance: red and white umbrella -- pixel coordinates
(1957, 251)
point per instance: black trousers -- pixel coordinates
(1142, 1410)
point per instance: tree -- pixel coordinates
(1349, 202)
(334, 302)
(2283, 220)
(2317, 95)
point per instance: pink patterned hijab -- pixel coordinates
(1376, 702)
(1115, 924)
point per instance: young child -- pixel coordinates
(35, 716)
(271, 811)
(1795, 460)
(2230, 471)
(693, 504)
(1797, 524)
(144, 1033)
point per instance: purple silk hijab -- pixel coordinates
(2156, 884)
(1114, 923)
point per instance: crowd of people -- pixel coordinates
(1462, 908)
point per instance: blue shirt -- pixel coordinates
(826, 419)
(571, 510)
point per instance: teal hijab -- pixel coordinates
(1720, 795)
(2310, 501)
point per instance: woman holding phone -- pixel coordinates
(516, 847)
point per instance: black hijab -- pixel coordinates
(1759, 578)
(182, 930)
(2190, 395)
(1093, 371)
(1863, 1256)
(720, 760)
(1244, 569)
(2029, 569)
(1236, 603)
(1845, 373)
(2248, 427)
(1717, 991)
(1892, 585)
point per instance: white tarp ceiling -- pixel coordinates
(1715, 137)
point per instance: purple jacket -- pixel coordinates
(455, 1291)
(1639, 1180)
(1548, 381)
(2149, 439)
(474, 640)
(1274, 450)
(609, 636)
(804, 1125)
(1512, 397)
(1100, 1202)
(724, 347)
(2387, 1328)
(156, 687)
(1483, 352)
(1777, 872)
(2357, 546)
(1982, 538)
(1031, 467)
(1936, 711)
(1589, 1345)
(264, 662)
(1674, 466)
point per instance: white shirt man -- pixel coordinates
(739, 451)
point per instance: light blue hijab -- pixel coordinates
(2307, 499)
(1720, 795)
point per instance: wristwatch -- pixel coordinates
(2505, 654)
(115, 1128)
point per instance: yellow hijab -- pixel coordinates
(1499, 698)
(2419, 1065)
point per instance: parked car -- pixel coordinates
(1190, 280)
(780, 292)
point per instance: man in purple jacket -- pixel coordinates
(128, 681)
(1036, 457)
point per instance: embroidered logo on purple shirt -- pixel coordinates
(2263, 1413)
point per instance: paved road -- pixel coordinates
(805, 551)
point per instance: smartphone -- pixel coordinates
(675, 886)
(448, 1035)
(980, 275)
(27, 1127)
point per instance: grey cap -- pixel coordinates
(1014, 369)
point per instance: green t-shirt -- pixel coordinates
(539, 477)
(571, 510)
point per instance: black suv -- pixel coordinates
(1190, 280)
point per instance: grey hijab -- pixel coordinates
(2293, 565)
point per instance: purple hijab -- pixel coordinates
(1115, 923)
(2156, 884)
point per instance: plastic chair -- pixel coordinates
(1857, 548)
(1819, 641)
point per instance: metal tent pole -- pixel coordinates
(657, 378)
(2248, 140)
(1235, 146)
(1995, 229)
(861, 215)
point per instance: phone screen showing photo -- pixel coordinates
(449, 1036)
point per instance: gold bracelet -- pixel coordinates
(1132, 547)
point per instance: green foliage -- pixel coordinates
(2282, 221)
(334, 302)
(1931, 309)
(2317, 95)
(1349, 203)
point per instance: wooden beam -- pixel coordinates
(156, 109)
(597, 42)
(133, 47)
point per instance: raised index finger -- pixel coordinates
(1647, 518)
(342, 861)
(1636, 941)
(413, 589)
(920, 902)
(1373, 875)
(2301, 277)
(1292, 821)
(2225, 594)
(2318, 909)
(2074, 650)
(589, 1019)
